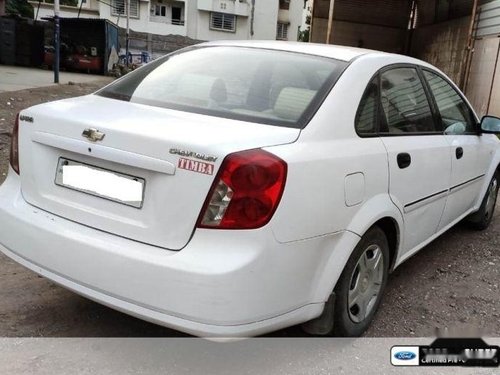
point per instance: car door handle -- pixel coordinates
(459, 152)
(404, 160)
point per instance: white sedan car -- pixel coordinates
(236, 188)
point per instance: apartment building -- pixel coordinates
(197, 19)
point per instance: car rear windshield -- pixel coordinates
(249, 84)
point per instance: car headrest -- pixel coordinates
(202, 88)
(218, 93)
(292, 102)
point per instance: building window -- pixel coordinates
(284, 4)
(69, 3)
(282, 31)
(160, 10)
(223, 22)
(177, 16)
(118, 8)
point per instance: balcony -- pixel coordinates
(236, 7)
(168, 12)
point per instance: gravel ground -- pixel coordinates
(452, 283)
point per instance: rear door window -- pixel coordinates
(367, 115)
(404, 103)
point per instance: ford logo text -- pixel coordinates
(404, 356)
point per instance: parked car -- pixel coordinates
(236, 188)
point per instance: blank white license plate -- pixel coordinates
(103, 183)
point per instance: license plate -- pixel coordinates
(100, 182)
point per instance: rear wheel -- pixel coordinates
(360, 287)
(482, 218)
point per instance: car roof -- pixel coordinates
(327, 50)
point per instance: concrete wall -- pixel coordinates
(296, 11)
(191, 26)
(443, 45)
(483, 86)
(156, 45)
(266, 18)
(318, 30)
(494, 102)
(380, 25)
(376, 37)
(480, 91)
(369, 36)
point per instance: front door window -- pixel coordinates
(456, 115)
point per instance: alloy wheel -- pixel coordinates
(491, 200)
(366, 283)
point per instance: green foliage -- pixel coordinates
(19, 7)
(304, 34)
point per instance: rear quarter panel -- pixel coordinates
(328, 150)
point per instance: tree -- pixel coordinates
(304, 34)
(19, 7)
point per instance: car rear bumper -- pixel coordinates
(222, 284)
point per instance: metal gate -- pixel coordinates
(483, 85)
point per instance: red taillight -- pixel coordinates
(246, 191)
(14, 146)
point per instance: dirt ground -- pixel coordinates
(453, 282)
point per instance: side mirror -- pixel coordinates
(490, 125)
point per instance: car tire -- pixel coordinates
(361, 285)
(481, 219)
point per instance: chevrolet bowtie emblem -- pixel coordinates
(93, 135)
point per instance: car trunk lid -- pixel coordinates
(171, 156)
